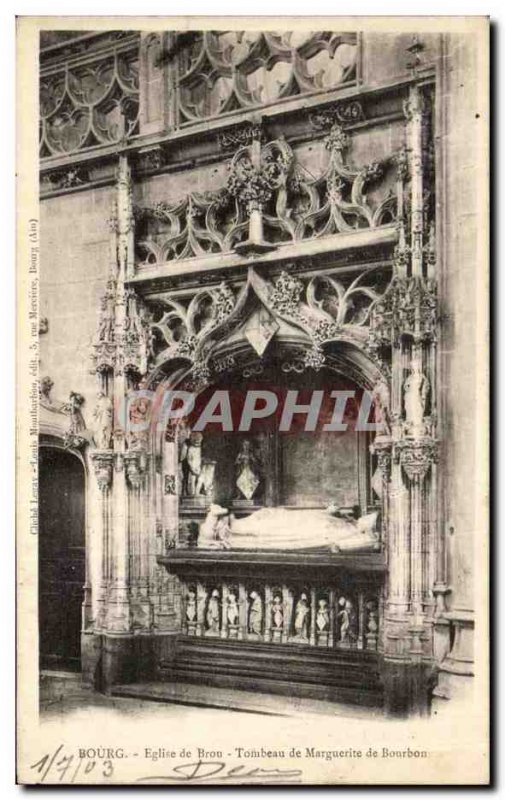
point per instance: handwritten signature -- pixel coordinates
(202, 771)
(60, 767)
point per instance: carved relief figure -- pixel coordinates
(232, 610)
(103, 422)
(372, 624)
(213, 612)
(415, 395)
(302, 617)
(200, 602)
(191, 462)
(382, 400)
(277, 612)
(73, 408)
(255, 613)
(106, 324)
(346, 619)
(215, 529)
(205, 480)
(322, 616)
(45, 389)
(138, 422)
(191, 606)
(247, 470)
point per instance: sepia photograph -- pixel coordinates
(253, 400)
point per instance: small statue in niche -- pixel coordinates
(201, 599)
(191, 606)
(322, 616)
(372, 624)
(191, 462)
(213, 612)
(415, 396)
(255, 613)
(205, 480)
(45, 389)
(139, 412)
(215, 529)
(277, 612)
(382, 400)
(302, 617)
(73, 409)
(232, 610)
(103, 422)
(346, 619)
(247, 470)
(106, 326)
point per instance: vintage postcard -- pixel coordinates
(252, 421)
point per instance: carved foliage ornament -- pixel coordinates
(294, 204)
(338, 113)
(323, 308)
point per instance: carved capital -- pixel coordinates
(416, 456)
(440, 591)
(135, 467)
(382, 448)
(103, 464)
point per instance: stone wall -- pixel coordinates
(75, 239)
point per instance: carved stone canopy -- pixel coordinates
(315, 310)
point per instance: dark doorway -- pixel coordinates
(61, 558)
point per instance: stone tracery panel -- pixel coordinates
(89, 102)
(222, 71)
(322, 308)
(295, 205)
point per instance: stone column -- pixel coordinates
(463, 201)
(156, 84)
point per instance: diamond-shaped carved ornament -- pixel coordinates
(247, 482)
(260, 330)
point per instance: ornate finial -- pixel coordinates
(415, 48)
(337, 139)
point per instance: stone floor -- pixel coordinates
(63, 694)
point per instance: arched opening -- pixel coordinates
(61, 557)
(264, 464)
